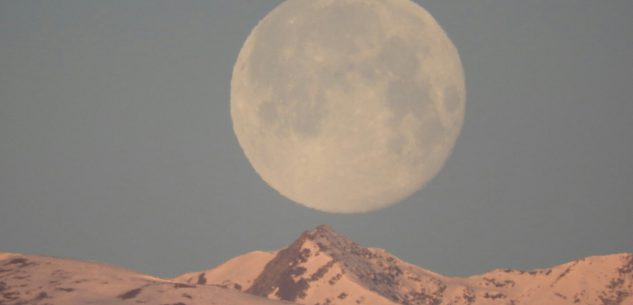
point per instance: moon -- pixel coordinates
(347, 106)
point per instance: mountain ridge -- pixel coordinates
(46, 280)
(321, 267)
(309, 270)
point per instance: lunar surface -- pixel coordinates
(347, 106)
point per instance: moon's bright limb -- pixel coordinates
(347, 106)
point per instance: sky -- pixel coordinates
(116, 143)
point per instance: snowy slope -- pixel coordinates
(46, 280)
(323, 267)
(236, 273)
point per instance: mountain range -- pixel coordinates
(321, 267)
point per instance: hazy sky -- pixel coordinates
(116, 142)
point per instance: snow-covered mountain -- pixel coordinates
(35, 280)
(323, 267)
(320, 268)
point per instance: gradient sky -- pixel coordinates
(116, 142)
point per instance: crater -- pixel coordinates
(406, 96)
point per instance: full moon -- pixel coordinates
(347, 106)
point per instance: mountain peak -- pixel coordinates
(280, 274)
(323, 229)
(322, 259)
(326, 238)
